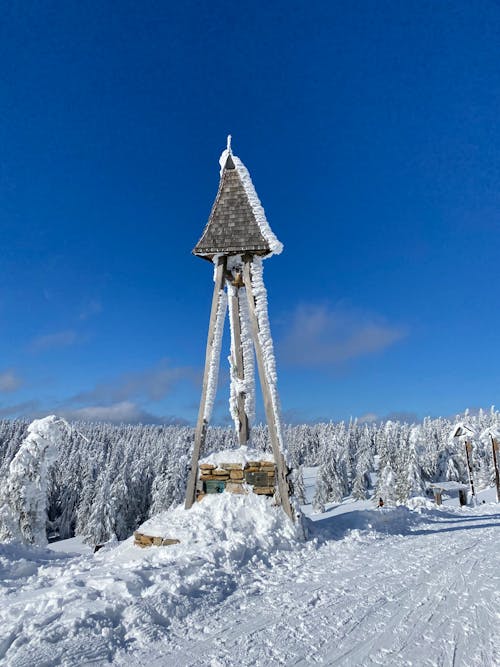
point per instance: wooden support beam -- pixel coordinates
(496, 453)
(202, 423)
(271, 416)
(234, 305)
(468, 456)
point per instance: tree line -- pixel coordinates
(108, 479)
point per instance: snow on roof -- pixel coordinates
(237, 222)
(488, 433)
(461, 430)
(448, 486)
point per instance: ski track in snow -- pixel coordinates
(376, 587)
(423, 598)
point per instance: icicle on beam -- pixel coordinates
(237, 400)
(210, 375)
(248, 357)
(257, 306)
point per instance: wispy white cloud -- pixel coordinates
(125, 398)
(126, 412)
(369, 418)
(151, 384)
(323, 336)
(55, 340)
(9, 381)
(398, 416)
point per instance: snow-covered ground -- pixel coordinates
(369, 587)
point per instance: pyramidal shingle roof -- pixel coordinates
(237, 223)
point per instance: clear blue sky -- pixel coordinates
(371, 130)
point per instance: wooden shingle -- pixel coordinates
(231, 228)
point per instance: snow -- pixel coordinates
(248, 357)
(258, 211)
(72, 545)
(235, 387)
(449, 486)
(240, 386)
(489, 433)
(23, 498)
(213, 372)
(371, 587)
(266, 343)
(241, 455)
(462, 430)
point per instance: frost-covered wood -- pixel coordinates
(237, 236)
(257, 307)
(212, 357)
(237, 368)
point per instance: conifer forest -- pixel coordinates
(108, 479)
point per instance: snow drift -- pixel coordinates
(76, 610)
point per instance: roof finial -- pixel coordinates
(229, 143)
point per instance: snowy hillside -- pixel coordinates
(370, 587)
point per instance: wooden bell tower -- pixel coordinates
(236, 239)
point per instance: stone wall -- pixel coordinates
(254, 476)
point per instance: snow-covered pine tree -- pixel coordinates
(299, 490)
(414, 481)
(23, 505)
(364, 465)
(101, 524)
(386, 485)
(169, 487)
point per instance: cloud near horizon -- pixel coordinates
(126, 412)
(323, 336)
(151, 384)
(399, 416)
(9, 381)
(125, 398)
(25, 410)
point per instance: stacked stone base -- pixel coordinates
(252, 477)
(142, 540)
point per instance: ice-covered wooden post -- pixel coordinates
(236, 239)
(492, 435)
(465, 434)
(496, 452)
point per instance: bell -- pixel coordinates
(238, 280)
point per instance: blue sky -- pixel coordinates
(371, 132)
